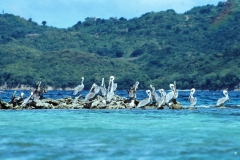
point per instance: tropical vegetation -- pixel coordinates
(199, 48)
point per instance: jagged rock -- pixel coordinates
(101, 106)
(5, 105)
(43, 105)
(150, 107)
(51, 101)
(98, 102)
(76, 106)
(94, 104)
(116, 105)
(63, 106)
(130, 105)
(176, 106)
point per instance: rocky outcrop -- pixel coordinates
(98, 102)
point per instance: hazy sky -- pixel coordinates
(66, 13)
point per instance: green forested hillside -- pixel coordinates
(199, 48)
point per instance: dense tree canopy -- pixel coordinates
(199, 48)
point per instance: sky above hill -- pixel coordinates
(66, 13)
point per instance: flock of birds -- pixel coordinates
(163, 99)
(108, 93)
(95, 89)
(35, 94)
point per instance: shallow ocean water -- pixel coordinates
(204, 133)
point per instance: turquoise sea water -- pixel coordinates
(204, 133)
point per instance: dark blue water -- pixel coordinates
(203, 133)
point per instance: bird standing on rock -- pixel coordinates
(146, 101)
(79, 88)
(161, 99)
(111, 88)
(93, 92)
(170, 94)
(103, 89)
(154, 93)
(132, 92)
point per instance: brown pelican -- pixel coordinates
(16, 99)
(154, 93)
(92, 93)
(38, 85)
(79, 88)
(114, 87)
(111, 88)
(103, 89)
(193, 100)
(162, 92)
(175, 91)
(110, 84)
(222, 100)
(132, 92)
(170, 95)
(96, 89)
(161, 99)
(146, 101)
(38, 93)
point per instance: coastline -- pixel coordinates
(26, 87)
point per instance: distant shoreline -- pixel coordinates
(24, 87)
(50, 88)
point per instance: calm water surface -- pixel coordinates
(204, 133)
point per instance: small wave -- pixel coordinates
(204, 106)
(199, 106)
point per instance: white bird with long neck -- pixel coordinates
(28, 99)
(114, 85)
(79, 88)
(154, 93)
(162, 92)
(222, 100)
(162, 98)
(103, 89)
(193, 100)
(146, 101)
(132, 92)
(110, 85)
(38, 85)
(175, 91)
(170, 94)
(92, 93)
(111, 88)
